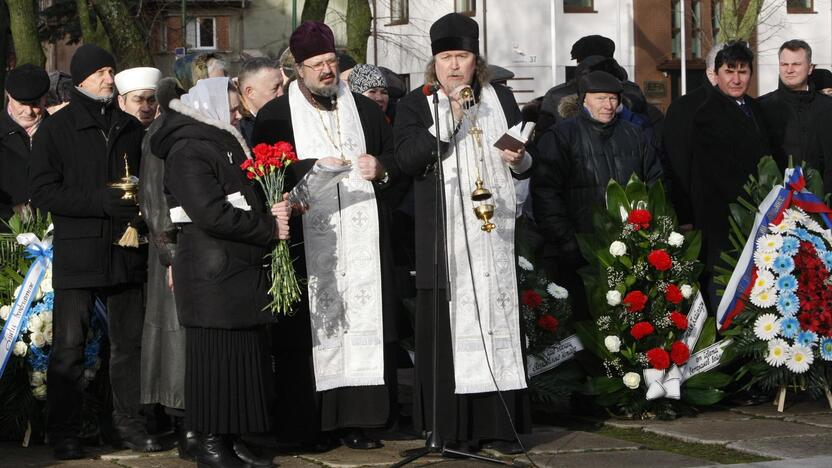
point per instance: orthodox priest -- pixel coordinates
(335, 357)
(477, 333)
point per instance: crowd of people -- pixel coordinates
(187, 324)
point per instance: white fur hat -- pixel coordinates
(137, 78)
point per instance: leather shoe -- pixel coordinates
(216, 454)
(245, 454)
(358, 441)
(69, 449)
(505, 447)
(188, 445)
(140, 441)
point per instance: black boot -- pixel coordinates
(356, 439)
(245, 454)
(187, 444)
(135, 437)
(215, 453)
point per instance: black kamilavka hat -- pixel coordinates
(455, 32)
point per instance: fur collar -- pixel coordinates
(177, 106)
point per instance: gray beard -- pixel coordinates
(326, 91)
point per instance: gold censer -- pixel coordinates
(130, 185)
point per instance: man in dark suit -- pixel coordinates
(74, 155)
(728, 139)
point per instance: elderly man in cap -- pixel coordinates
(137, 92)
(75, 154)
(484, 293)
(336, 367)
(26, 87)
(576, 160)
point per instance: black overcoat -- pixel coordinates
(15, 155)
(219, 272)
(75, 153)
(726, 147)
(792, 119)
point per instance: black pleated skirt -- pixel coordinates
(227, 381)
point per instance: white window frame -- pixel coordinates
(192, 30)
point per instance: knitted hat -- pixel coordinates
(27, 83)
(311, 38)
(455, 32)
(87, 60)
(592, 45)
(364, 77)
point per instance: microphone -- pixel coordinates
(429, 89)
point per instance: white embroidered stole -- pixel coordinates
(492, 269)
(341, 239)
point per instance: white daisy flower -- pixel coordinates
(766, 327)
(618, 249)
(558, 292)
(765, 280)
(770, 243)
(613, 297)
(675, 239)
(813, 225)
(778, 352)
(527, 265)
(800, 358)
(764, 260)
(764, 298)
(795, 215)
(782, 228)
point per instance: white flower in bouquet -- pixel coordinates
(524, 264)
(766, 327)
(764, 260)
(765, 280)
(795, 215)
(782, 228)
(687, 291)
(38, 378)
(618, 248)
(46, 286)
(20, 348)
(37, 339)
(46, 316)
(39, 392)
(558, 292)
(47, 333)
(38, 294)
(613, 297)
(675, 239)
(4, 312)
(631, 380)
(778, 352)
(35, 323)
(800, 358)
(770, 243)
(613, 343)
(89, 374)
(765, 298)
(813, 225)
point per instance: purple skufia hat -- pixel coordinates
(311, 38)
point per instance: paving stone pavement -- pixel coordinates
(798, 437)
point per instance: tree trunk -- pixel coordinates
(359, 18)
(314, 10)
(127, 40)
(739, 19)
(91, 32)
(4, 42)
(24, 25)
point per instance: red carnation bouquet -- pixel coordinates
(268, 168)
(544, 307)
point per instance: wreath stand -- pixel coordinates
(780, 400)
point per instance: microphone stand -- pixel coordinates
(434, 443)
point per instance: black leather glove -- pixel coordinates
(115, 207)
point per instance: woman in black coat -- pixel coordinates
(219, 278)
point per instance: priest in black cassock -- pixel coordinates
(335, 357)
(479, 341)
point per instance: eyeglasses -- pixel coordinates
(331, 64)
